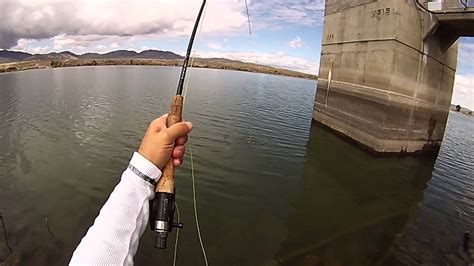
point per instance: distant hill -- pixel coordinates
(118, 54)
(17, 61)
(154, 54)
(90, 56)
(57, 56)
(13, 56)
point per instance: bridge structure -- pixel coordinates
(387, 70)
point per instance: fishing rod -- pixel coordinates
(163, 205)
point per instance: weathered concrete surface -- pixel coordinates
(379, 82)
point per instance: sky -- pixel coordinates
(285, 33)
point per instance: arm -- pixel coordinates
(113, 238)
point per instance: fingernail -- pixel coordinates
(190, 125)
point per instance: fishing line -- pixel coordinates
(195, 208)
(162, 207)
(5, 233)
(177, 236)
(196, 216)
(248, 17)
(198, 229)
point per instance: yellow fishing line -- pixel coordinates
(192, 168)
(175, 254)
(195, 208)
(177, 236)
(191, 155)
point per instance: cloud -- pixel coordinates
(103, 25)
(466, 49)
(44, 19)
(296, 42)
(214, 45)
(275, 14)
(100, 47)
(40, 49)
(63, 41)
(30, 46)
(464, 91)
(279, 59)
(24, 44)
(144, 48)
(467, 46)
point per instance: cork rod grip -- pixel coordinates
(166, 183)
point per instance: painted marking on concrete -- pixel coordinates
(381, 12)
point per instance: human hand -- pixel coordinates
(160, 143)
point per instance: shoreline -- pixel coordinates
(223, 64)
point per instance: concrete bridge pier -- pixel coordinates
(386, 78)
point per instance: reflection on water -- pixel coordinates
(272, 187)
(352, 206)
(447, 210)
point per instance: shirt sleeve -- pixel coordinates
(113, 238)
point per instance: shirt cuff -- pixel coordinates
(145, 166)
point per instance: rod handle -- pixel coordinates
(166, 183)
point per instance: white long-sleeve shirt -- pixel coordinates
(113, 238)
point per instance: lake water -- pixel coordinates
(271, 186)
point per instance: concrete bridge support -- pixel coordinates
(383, 81)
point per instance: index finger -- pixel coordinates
(159, 123)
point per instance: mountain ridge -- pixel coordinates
(14, 56)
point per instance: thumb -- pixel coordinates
(177, 130)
